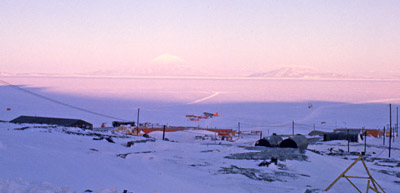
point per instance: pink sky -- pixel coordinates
(229, 38)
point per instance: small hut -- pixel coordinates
(53, 121)
(352, 137)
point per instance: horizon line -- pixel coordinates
(50, 75)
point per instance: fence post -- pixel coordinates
(163, 134)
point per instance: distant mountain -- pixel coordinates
(4, 74)
(303, 73)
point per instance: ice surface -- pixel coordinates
(40, 159)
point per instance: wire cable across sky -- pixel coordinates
(58, 102)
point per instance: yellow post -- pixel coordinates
(370, 178)
(341, 175)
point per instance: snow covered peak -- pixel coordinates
(4, 74)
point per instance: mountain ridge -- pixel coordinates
(302, 73)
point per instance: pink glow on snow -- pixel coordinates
(219, 90)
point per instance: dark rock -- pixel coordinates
(264, 163)
(22, 128)
(312, 191)
(123, 155)
(130, 143)
(268, 153)
(274, 160)
(109, 139)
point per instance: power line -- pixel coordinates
(58, 102)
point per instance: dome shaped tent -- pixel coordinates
(297, 141)
(270, 141)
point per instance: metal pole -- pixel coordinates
(163, 134)
(397, 122)
(365, 141)
(384, 135)
(390, 140)
(137, 126)
(314, 131)
(239, 129)
(390, 128)
(348, 141)
(292, 128)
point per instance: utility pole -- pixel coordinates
(292, 128)
(365, 141)
(390, 130)
(384, 135)
(397, 122)
(314, 131)
(393, 129)
(137, 126)
(163, 134)
(348, 141)
(239, 129)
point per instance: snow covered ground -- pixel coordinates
(57, 159)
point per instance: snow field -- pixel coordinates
(38, 159)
